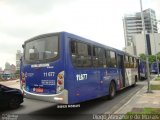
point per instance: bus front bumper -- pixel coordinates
(61, 97)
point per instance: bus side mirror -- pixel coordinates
(23, 46)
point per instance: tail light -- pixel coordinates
(22, 80)
(60, 82)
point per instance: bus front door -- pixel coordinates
(122, 70)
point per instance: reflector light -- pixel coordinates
(59, 82)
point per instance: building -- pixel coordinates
(7, 66)
(138, 46)
(13, 69)
(1, 72)
(18, 57)
(9, 71)
(132, 25)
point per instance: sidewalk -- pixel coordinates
(141, 100)
(11, 83)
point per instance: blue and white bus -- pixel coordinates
(66, 68)
(154, 68)
(142, 70)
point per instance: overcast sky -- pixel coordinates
(98, 20)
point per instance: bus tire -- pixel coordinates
(112, 90)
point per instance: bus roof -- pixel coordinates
(96, 43)
(81, 39)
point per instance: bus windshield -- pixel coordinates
(42, 49)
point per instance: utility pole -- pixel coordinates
(146, 49)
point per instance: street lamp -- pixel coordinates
(146, 50)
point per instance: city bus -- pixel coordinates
(6, 76)
(154, 68)
(142, 70)
(66, 69)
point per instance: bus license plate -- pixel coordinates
(39, 90)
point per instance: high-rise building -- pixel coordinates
(7, 69)
(18, 57)
(153, 43)
(133, 25)
(7, 66)
(13, 69)
(1, 71)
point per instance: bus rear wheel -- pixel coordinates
(112, 90)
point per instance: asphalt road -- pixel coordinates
(39, 110)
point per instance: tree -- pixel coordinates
(142, 56)
(158, 56)
(152, 58)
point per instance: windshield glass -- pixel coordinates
(42, 49)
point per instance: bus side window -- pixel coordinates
(130, 62)
(126, 62)
(73, 52)
(119, 63)
(113, 62)
(73, 47)
(87, 56)
(101, 57)
(108, 58)
(81, 54)
(95, 57)
(135, 63)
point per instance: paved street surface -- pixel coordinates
(11, 83)
(33, 109)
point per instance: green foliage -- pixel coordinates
(152, 58)
(152, 110)
(158, 56)
(142, 56)
(155, 87)
(146, 112)
(158, 53)
(157, 79)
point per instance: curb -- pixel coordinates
(123, 106)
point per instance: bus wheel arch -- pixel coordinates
(112, 89)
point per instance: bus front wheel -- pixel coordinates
(112, 90)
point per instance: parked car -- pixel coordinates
(10, 97)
